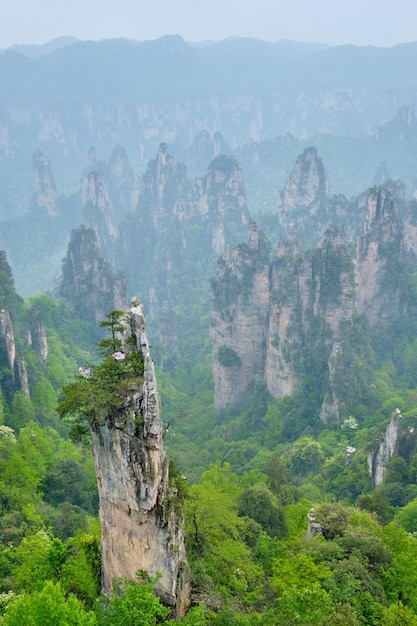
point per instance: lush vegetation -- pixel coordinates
(254, 471)
(99, 391)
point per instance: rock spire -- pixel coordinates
(142, 528)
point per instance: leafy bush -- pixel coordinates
(227, 357)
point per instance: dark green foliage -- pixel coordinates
(227, 357)
(98, 392)
(69, 520)
(259, 504)
(113, 324)
(67, 481)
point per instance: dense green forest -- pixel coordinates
(293, 515)
(255, 472)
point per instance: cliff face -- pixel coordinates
(122, 184)
(226, 199)
(305, 207)
(378, 460)
(14, 374)
(88, 281)
(240, 318)
(169, 200)
(311, 300)
(98, 209)
(306, 190)
(141, 526)
(15, 363)
(183, 225)
(265, 317)
(45, 191)
(380, 256)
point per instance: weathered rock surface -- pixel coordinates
(378, 460)
(142, 529)
(269, 314)
(240, 318)
(305, 207)
(380, 256)
(88, 281)
(14, 376)
(45, 191)
(315, 297)
(182, 225)
(37, 336)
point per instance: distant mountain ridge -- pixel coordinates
(170, 62)
(38, 50)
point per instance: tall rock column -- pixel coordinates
(240, 318)
(380, 262)
(142, 528)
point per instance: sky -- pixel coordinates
(360, 22)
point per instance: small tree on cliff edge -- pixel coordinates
(99, 391)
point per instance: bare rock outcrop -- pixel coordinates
(308, 290)
(98, 209)
(38, 337)
(378, 460)
(240, 318)
(380, 257)
(266, 315)
(142, 528)
(122, 184)
(88, 281)
(45, 196)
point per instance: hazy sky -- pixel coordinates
(361, 22)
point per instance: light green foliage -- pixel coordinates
(296, 518)
(48, 607)
(400, 579)
(132, 604)
(333, 518)
(44, 398)
(81, 572)
(299, 571)
(398, 614)
(303, 606)
(215, 533)
(38, 558)
(36, 447)
(21, 412)
(407, 517)
(196, 616)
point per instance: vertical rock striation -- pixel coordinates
(142, 528)
(89, 282)
(378, 461)
(240, 318)
(380, 257)
(45, 196)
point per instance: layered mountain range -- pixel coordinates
(264, 101)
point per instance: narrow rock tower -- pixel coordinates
(142, 528)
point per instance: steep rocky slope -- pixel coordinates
(142, 529)
(314, 302)
(88, 281)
